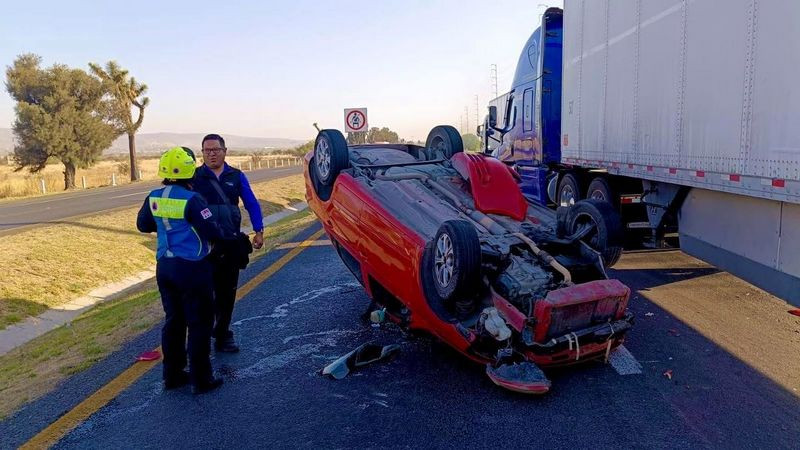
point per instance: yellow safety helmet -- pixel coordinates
(177, 163)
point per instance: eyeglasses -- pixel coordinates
(214, 150)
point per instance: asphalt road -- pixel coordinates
(727, 388)
(20, 214)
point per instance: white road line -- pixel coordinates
(129, 195)
(624, 362)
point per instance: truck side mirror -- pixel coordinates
(492, 116)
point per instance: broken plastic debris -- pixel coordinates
(673, 332)
(649, 314)
(524, 377)
(377, 316)
(495, 325)
(668, 374)
(361, 356)
(795, 312)
(149, 356)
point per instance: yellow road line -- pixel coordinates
(74, 417)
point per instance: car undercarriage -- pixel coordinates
(523, 285)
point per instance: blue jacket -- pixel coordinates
(182, 220)
(234, 185)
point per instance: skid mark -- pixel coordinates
(286, 340)
(108, 416)
(282, 310)
(327, 339)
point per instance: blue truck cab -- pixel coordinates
(528, 137)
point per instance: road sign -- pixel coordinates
(355, 120)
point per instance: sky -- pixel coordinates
(273, 68)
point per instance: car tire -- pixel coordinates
(569, 191)
(600, 189)
(607, 236)
(443, 142)
(331, 156)
(455, 260)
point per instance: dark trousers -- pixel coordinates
(186, 294)
(226, 279)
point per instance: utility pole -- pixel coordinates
(493, 80)
(466, 120)
(477, 108)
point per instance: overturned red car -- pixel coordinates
(445, 242)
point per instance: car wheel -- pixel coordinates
(456, 259)
(443, 142)
(602, 225)
(568, 190)
(331, 155)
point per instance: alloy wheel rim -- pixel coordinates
(322, 155)
(444, 260)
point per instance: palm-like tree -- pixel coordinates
(126, 93)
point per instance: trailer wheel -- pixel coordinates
(456, 260)
(569, 191)
(331, 156)
(602, 225)
(443, 142)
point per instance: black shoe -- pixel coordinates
(226, 345)
(207, 387)
(176, 382)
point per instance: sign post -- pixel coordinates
(355, 120)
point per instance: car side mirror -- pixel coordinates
(493, 116)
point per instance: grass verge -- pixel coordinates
(36, 368)
(54, 264)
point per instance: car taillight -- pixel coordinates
(575, 307)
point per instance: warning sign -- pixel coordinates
(355, 120)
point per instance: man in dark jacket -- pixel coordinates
(223, 186)
(185, 225)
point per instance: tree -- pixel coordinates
(471, 142)
(359, 137)
(61, 113)
(382, 135)
(126, 93)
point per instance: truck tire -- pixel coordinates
(443, 142)
(600, 189)
(331, 156)
(455, 260)
(569, 191)
(606, 236)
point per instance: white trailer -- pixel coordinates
(699, 99)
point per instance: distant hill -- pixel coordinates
(158, 142)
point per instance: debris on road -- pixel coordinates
(363, 355)
(149, 356)
(649, 314)
(673, 332)
(524, 377)
(668, 374)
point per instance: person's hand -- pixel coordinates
(258, 240)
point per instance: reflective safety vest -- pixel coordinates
(176, 237)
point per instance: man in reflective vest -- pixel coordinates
(223, 186)
(184, 225)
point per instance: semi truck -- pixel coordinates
(682, 114)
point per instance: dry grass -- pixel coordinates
(24, 184)
(51, 265)
(36, 368)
